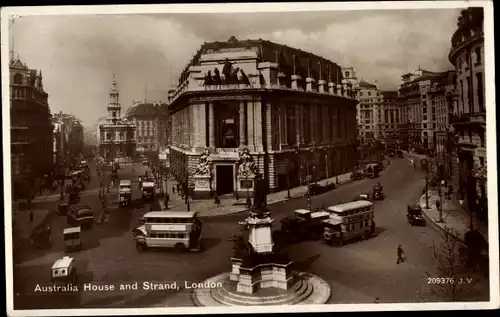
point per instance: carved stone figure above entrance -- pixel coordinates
(203, 168)
(246, 166)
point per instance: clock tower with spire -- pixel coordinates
(117, 137)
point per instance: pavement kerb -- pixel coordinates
(269, 204)
(432, 221)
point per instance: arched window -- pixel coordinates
(18, 79)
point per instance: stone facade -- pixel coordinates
(152, 126)
(469, 123)
(31, 128)
(277, 109)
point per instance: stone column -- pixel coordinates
(211, 122)
(284, 124)
(302, 128)
(242, 124)
(297, 124)
(324, 115)
(250, 127)
(199, 128)
(269, 126)
(257, 113)
(312, 127)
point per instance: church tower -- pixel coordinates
(114, 107)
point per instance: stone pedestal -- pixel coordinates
(261, 272)
(310, 82)
(260, 234)
(245, 186)
(201, 187)
(321, 85)
(331, 88)
(295, 80)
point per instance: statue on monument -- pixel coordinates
(246, 166)
(203, 168)
(216, 78)
(259, 209)
(208, 79)
(227, 69)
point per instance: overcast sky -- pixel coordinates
(79, 54)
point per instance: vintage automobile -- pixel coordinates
(399, 153)
(148, 189)
(363, 196)
(41, 236)
(414, 216)
(80, 215)
(317, 189)
(304, 225)
(378, 193)
(125, 193)
(72, 239)
(357, 175)
(64, 271)
(372, 170)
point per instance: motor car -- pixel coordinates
(414, 216)
(357, 175)
(316, 189)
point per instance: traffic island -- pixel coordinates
(261, 273)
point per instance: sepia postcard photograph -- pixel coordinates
(249, 158)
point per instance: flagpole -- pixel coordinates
(329, 74)
(309, 67)
(320, 70)
(293, 61)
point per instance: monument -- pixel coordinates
(261, 272)
(203, 177)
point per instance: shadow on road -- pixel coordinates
(209, 243)
(305, 264)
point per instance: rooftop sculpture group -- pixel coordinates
(229, 76)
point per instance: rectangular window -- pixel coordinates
(481, 161)
(369, 93)
(425, 125)
(425, 118)
(478, 55)
(424, 110)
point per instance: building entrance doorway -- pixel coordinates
(224, 179)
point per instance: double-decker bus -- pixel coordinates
(181, 230)
(349, 221)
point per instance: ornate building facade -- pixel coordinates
(253, 107)
(68, 139)
(467, 54)
(151, 121)
(116, 136)
(31, 128)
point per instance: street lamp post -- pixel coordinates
(427, 187)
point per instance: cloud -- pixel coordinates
(79, 54)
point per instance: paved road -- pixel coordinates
(359, 272)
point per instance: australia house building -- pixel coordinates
(253, 107)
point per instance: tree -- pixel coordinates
(453, 278)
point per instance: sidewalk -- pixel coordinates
(454, 216)
(207, 208)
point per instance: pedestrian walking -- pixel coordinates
(249, 202)
(173, 189)
(178, 187)
(217, 200)
(400, 253)
(237, 196)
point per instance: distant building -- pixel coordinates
(253, 107)
(116, 135)
(70, 134)
(31, 128)
(420, 96)
(151, 121)
(389, 119)
(369, 111)
(467, 55)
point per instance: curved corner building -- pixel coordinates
(253, 107)
(467, 54)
